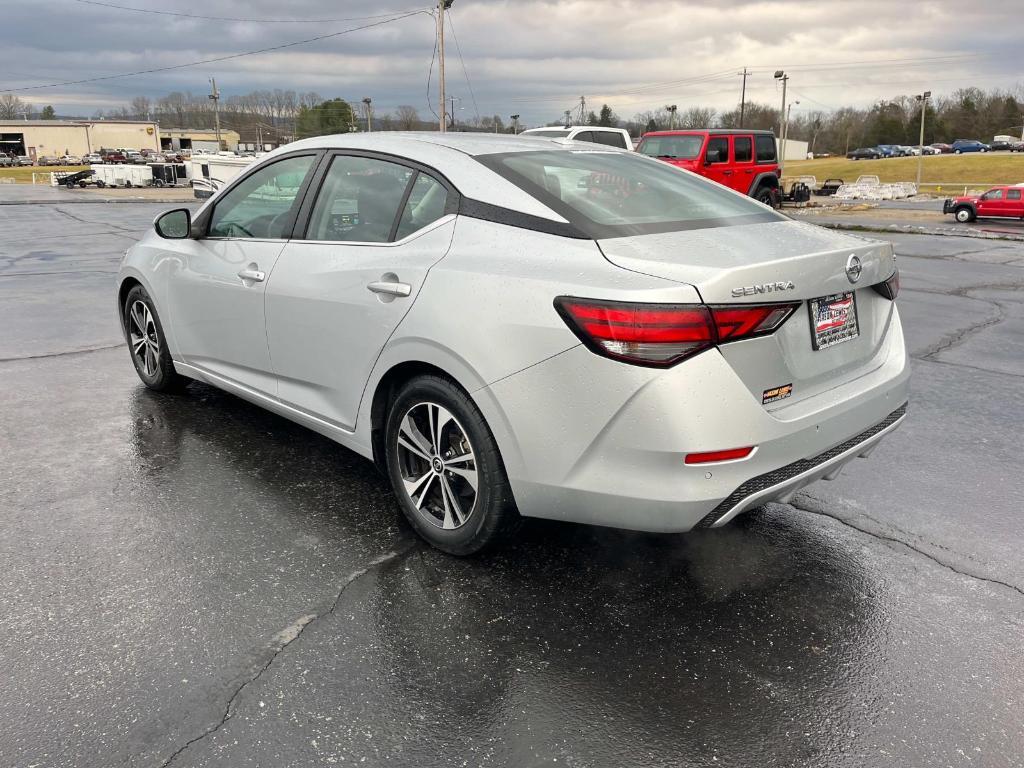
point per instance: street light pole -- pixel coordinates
(515, 124)
(215, 95)
(923, 98)
(671, 116)
(780, 75)
(369, 114)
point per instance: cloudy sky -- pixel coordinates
(534, 58)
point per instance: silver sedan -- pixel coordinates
(534, 327)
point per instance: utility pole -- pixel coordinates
(743, 95)
(583, 110)
(923, 98)
(671, 116)
(780, 75)
(515, 124)
(215, 95)
(369, 114)
(568, 118)
(442, 6)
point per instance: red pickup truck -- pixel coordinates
(744, 160)
(1001, 202)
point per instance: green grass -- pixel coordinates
(956, 170)
(25, 174)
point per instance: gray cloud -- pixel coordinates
(534, 58)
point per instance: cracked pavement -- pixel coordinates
(191, 581)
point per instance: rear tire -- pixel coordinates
(766, 196)
(438, 447)
(147, 343)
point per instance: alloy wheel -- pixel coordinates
(144, 338)
(438, 465)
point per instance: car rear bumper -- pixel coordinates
(590, 440)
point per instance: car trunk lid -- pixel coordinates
(778, 262)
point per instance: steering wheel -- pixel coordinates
(234, 226)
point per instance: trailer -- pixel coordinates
(123, 175)
(71, 180)
(209, 173)
(169, 174)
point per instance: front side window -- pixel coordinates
(359, 200)
(617, 194)
(765, 146)
(685, 147)
(262, 204)
(993, 194)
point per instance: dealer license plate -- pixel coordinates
(833, 319)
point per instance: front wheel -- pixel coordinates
(957, 152)
(445, 468)
(766, 196)
(148, 344)
(963, 214)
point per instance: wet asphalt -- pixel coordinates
(191, 581)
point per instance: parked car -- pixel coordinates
(890, 150)
(24, 160)
(48, 160)
(93, 157)
(998, 202)
(6, 161)
(910, 151)
(665, 354)
(1002, 146)
(742, 160)
(930, 150)
(154, 157)
(70, 160)
(114, 158)
(968, 145)
(943, 148)
(864, 153)
(1018, 146)
(612, 137)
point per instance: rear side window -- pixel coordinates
(426, 204)
(359, 200)
(611, 139)
(584, 136)
(1013, 194)
(743, 149)
(616, 194)
(673, 147)
(765, 149)
(718, 150)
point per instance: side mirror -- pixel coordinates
(712, 156)
(174, 225)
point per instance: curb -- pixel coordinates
(911, 229)
(100, 202)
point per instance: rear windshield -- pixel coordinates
(555, 133)
(617, 194)
(676, 147)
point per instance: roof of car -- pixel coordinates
(466, 143)
(714, 131)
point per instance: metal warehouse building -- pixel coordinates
(198, 138)
(36, 138)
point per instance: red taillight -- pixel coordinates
(730, 454)
(663, 334)
(889, 288)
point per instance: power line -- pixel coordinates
(217, 58)
(458, 49)
(235, 18)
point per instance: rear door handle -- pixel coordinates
(252, 274)
(390, 288)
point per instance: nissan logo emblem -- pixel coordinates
(853, 268)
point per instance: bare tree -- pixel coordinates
(12, 107)
(407, 118)
(140, 107)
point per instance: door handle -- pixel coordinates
(727, 173)
(250, 273)
(390, 288)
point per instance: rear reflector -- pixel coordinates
(711, 456)
(889, 288)
(661, 335)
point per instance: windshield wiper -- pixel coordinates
(673, 157)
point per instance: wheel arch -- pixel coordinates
(769, 178)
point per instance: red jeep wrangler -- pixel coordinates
(1003, 202)
(743, 160)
